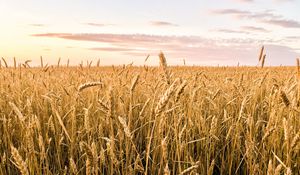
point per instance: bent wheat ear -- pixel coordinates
(87, 85)
(284, 98)
(5, 63)
(188, 170)
(17, 111)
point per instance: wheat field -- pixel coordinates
(149, 120)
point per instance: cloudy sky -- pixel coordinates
(203, 32)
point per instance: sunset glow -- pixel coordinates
(212, 33)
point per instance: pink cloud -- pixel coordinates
(245, 0)
(283, 23)
(254, 29)
(267, 17)
(193, 48)
(162, 23)
(113, 49)
(231, 31)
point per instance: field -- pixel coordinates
(149, 120)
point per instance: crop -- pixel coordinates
(149, 120)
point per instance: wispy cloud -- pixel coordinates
(112, 49)
(231, 31)
(194, 48)
(282, 1)
(97, 24)
(230, 12)
(254, 29)
(267, 17)
(244, 0)
(37, 25)
(282, 22)
(162, 23)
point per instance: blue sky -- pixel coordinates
(120, 32)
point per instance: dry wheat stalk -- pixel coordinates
(89, 84)
(98, 63)
(87, 125)
(167, 170)
(17, 111)
(15, 63)
(134, 83)
(295, 140)
(180, 90)
(147, 58)
(125, 127)
(213, 126)
(138, 166)
(111, 153)
(20, 163)
(162, 60)
(5, 63)
(270, 168)
(289, 171)
(58, 62)
(211, 168)
(261, 53)
(263, 61)
(164, 149)
(278, 170)
(89, 155)
(62, 125)
(190, 169)
(73, 166)
(165, 98)
(284, 98)
(42, 62)
(144, 107)
(268, 133)
(298, 68)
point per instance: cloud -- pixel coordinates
(193, 48)
(267, 17)
(112, 49)
(254, 29)
(37, 25)
(245, 0)
(283, 23)
(282, 1)
(162, 23)
(231, 31)
(97, 24)
(242, 30)
(230, 12)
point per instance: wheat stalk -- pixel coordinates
(190, 169)
(20, 163)
(165, 98)
(5, 63)
(284, 98)
(261, 53)
(17, 111)
(125, 127)
(88, 84)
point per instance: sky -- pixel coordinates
(201, 32)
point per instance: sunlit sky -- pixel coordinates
(203, 32)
